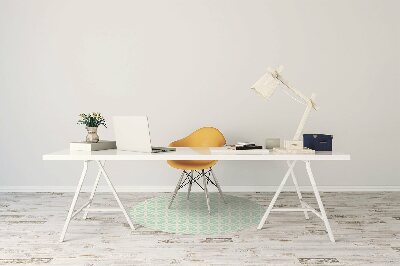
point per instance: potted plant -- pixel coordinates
(92, 121)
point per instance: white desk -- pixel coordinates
(100, 157)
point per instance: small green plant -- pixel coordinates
(92, 120)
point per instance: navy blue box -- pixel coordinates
(318, 142)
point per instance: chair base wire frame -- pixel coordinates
(190, 177)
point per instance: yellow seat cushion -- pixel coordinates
(191, 165)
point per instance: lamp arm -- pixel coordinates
(297, 92)
(310, 105)
(309, 102)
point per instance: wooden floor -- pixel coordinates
(366, 226)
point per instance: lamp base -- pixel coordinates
(293, 151)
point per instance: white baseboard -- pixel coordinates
(171, 188)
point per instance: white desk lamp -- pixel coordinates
(266, 86)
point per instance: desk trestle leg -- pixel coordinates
(115, 195)
(304, 206)
(278, 191)
(294, 179)
(71, 209)
(96, 182)
(86, 207)
(320, 205)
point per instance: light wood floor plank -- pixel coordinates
(366, 226)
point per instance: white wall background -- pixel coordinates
(188, 64)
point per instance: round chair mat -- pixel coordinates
(190, 216)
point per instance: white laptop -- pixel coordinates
(132, 133)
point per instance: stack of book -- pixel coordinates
(98, 146)
(247, 146)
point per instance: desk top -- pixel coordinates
(189, 154)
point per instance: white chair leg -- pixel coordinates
(71, 209)
(176, 190)
(217, 183)
(298, 191)
(320, 205)
(96, 182)
(278, 191)
(206, 191)
(190, 184)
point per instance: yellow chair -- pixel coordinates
(193, 170)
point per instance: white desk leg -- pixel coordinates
(96, 182)
(271, 205)
(298, 191)
(320, 205)
(71, 209)
(115, 195)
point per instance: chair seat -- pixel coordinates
(191, 164)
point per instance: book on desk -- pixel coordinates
(88, 146)
(241, 148)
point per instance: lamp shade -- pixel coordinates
(267, 84)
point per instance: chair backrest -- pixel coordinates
(203, 137)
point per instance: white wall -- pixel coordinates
(188, 64)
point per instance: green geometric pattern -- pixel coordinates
(191, 216)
